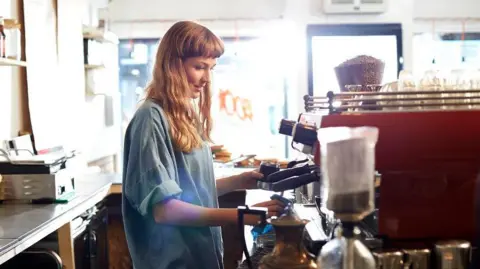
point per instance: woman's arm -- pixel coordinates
(228, 184)
(243, 181)
(177, 212)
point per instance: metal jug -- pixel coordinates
(289, 251)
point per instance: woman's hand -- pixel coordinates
(243, 181)
(248, 180)
(274, 207)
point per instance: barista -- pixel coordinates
(170, 206)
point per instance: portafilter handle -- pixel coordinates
(295, 182)
(267, 168)
(294, 163)
(287, 173)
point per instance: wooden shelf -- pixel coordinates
(99, 35)
(94, 66)
(11, 62)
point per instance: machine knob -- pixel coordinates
(286, 127)
(305, 134)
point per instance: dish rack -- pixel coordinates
(397, 101)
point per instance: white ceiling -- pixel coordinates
(164, 10)
(446, 8)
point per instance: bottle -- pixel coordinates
(2, 38)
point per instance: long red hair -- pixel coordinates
(190, 122)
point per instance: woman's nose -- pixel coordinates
(206, 77)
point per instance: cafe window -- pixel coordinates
(248, 93)
(446, 52)
(136, 58)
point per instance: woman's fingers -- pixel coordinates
(270, 203)
(274, 207)
(256, 174)
(275, 211)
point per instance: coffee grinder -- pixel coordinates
(348, 170)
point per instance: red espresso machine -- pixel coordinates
(429, 164)
(428, 157)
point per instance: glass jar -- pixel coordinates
(476, 86)
(406, 83)
(433, 81)
(13, 34)
(352, 102)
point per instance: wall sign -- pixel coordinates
(234, 105)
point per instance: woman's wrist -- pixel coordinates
(228, 184)
(236, 182)
(243, 181)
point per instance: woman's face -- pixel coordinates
(198, 70)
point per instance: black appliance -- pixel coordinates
(91, 244)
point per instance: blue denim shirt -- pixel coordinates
(154, 171)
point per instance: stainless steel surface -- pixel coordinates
(23, 225)
(417, 258)
(314, 227)
(306, 194)
(345, 253)
(453, 254)
(388, 259)
(6, 245)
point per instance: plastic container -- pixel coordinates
(348, 170)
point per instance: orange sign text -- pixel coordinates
(234, 105)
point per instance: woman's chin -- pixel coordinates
(195, 95)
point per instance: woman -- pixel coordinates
(170, 206)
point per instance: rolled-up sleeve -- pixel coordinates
(150, 173)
